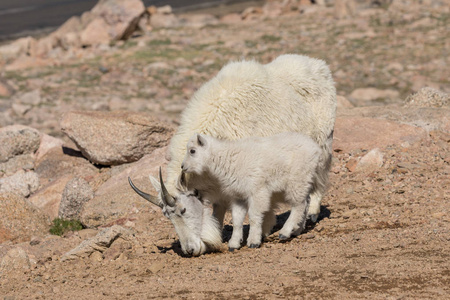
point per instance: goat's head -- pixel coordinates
(191, 218)
(196, 156)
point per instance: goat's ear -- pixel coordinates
(156, 184)
(201, 140)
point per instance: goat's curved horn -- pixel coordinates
(146, 196)
(166, 197)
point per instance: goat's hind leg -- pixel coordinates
(295, 224)
(219, 212)
(320, 181)
(270, 220)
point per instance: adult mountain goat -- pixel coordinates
(250, 170)
(293, 93)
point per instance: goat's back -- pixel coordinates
(293, 93)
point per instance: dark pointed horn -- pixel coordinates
(146, 196)
(166, 197)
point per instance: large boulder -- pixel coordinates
(20, 220)
(75, 194)
(47, 144)
(16, 48)
(22, 183)
(428, 118)
(16, 260)
(99, 243)
(16, 140)
(95, 33)
(116, 200)
(344, 8)
(58, 162)
(17, 163)
(112, 138)
(428, 97)
(48, 198)
(352, 133)
(121, 16)
(68, 34)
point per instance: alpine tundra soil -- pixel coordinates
(382, 234)
(383, 231)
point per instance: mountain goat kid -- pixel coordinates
(250, 170)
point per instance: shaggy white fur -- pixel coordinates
(294, 93)
(250, 170)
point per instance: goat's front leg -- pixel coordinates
(238, 212)
(258, 206)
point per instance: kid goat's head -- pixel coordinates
(197, 230)
(196, 154)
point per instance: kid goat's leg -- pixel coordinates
(259, 204)
(238, 212)
(297, 219)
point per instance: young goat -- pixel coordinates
(250, 170)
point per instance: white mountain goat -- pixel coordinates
(250, 170)
(293, 93)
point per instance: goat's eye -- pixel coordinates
(192, 151)
(183, 211)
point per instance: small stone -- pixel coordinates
(5, 89)
(96, 256)
(351, 164)
(343, 102)
(156, 267)
(20, 109)
(373, 159)
(32, 98)
(87, 233)
(309, 236)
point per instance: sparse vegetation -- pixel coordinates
(61, 226)
(270, 38)
(160, 42)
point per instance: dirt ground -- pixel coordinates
(382, 234)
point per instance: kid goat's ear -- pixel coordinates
(201, 140)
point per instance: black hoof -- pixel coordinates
(232, 249)
(283, 237)
(254, 245)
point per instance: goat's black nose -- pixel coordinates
(190, 251)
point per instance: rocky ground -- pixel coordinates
(73, 118)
